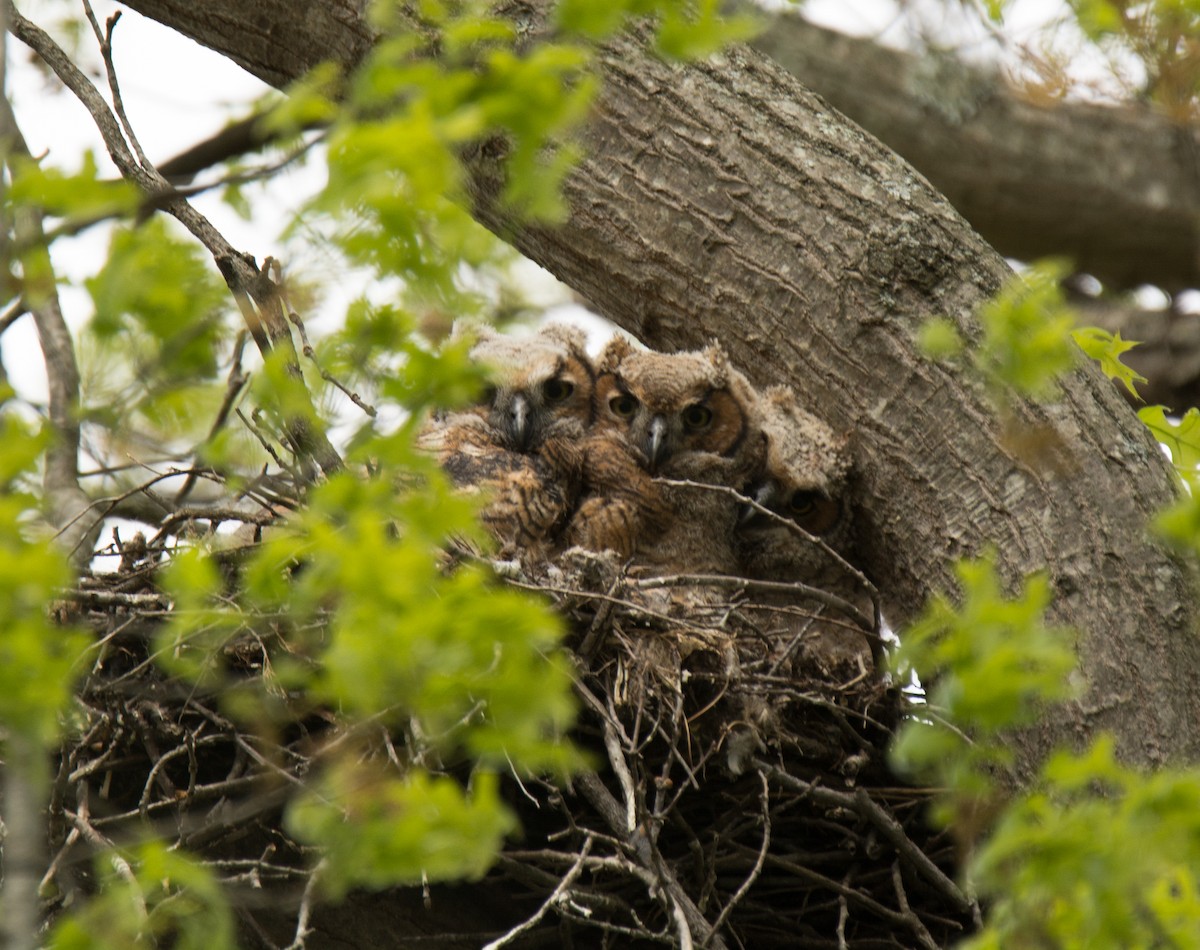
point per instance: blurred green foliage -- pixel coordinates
(160, 324)
(377, 830)
(74, 197)
(1091, 853)
(989, 663)
(1095, 855)
(1025, 342)
(349, 601)
(149, 896)
(40, 659)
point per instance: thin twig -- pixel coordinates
(253, 290)
(892, 830)
(16, 310)
(308, 350)
(746, 584)
(758, 864)
(555, 897)
(779, 519)
(918, 927)
(234, 384)
(104, 39)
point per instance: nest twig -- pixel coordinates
(737, 798)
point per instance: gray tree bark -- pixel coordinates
(725, 199)
(1116, 188)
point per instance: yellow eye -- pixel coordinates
(803, 502)
(623, 405)
(697, 416)
(557, 390)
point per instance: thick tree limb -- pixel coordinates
(726, 199)
(1114, 188)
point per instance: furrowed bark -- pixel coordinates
(725, 199)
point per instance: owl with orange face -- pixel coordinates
(679, 417)
(523, 445)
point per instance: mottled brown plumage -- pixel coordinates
(803, 480)
(524, 444)
(682, 416)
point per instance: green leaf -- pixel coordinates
(596, 21)
(1027, 328)
(378, 830)
(939, 339)
(169, 900)
(1095, 855)
(1106, 348)
(995, 9)
(39, 659)
(989, 665)
(80, 195)
(1098, 18)
(191, 643)
(697, 31)
(1181, 438)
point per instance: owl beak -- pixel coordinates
(656, 443)
(764, 495)
(518, 423)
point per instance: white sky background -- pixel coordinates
(177, 92)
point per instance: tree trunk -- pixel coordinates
(725, 199)
(1116, 188)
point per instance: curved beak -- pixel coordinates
(516, 420)
(764, 495)
(656, 443)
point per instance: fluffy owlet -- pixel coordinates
(523, 445)
(803, 480)
(683, 416)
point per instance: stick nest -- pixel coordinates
(740, 796)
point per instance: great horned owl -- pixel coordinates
(803, 480)
(682, 416)
(523, 444)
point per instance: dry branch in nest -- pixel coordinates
(738, 799)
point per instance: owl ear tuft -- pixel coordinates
(569, 335)
(780, 396)
(617, 349)
(716, 355)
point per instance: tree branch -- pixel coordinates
(256, 293)
(723, 198)
(1115, 188)
(66, 503)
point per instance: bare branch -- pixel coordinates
(555, 896)
(1114, 187)
(65, 501)
(256, 294)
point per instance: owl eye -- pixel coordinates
(623, 405)
(557, 390)
(803, 502)
(697, 416)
